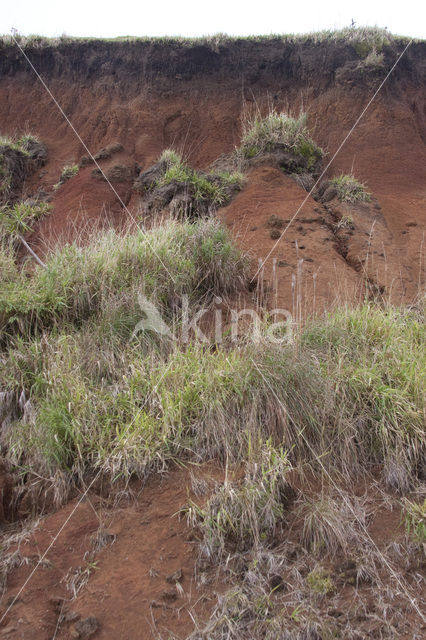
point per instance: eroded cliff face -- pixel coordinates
(132, 100)
(150, 95)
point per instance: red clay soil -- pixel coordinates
(141, 583)
(386, 150)
(84, 204)
(316, 262)
(130, 590)
(303, 264)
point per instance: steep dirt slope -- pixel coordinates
(152, 95)
(149, 96)
(318, 259)
(87, 202)
(132, 560)
(125, 568)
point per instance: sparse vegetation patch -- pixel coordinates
(281, 134)
(349, 189)
(187, 193)
(68, 172)
(243, 514)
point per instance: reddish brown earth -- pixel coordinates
(150, 98)
(127, 591)
(194, 100)
(90, 204)
(142, 582)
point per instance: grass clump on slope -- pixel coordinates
(349, 189)
(204, 186)
(376, 360)
(280, 132)
(80, 282)
(187, 193)
(247, 513)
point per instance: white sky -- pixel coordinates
(202, 17)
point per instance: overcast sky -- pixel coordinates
(202, 17)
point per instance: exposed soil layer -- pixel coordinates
(87, 202)
(129, 549)
(126, 568)
(151, 96)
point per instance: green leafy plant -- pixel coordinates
(19, 218)
(320, 581)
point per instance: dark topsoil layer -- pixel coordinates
(137, 61)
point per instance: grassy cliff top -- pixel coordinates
(375, 36)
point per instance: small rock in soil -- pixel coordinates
(71, 616)
(85, 628)
(169, 595)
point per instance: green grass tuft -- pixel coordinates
(19, 218)
(279, 132)
(81, 282)
(349, 189)
(376, 360)
(68, 172)
(211, 187)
